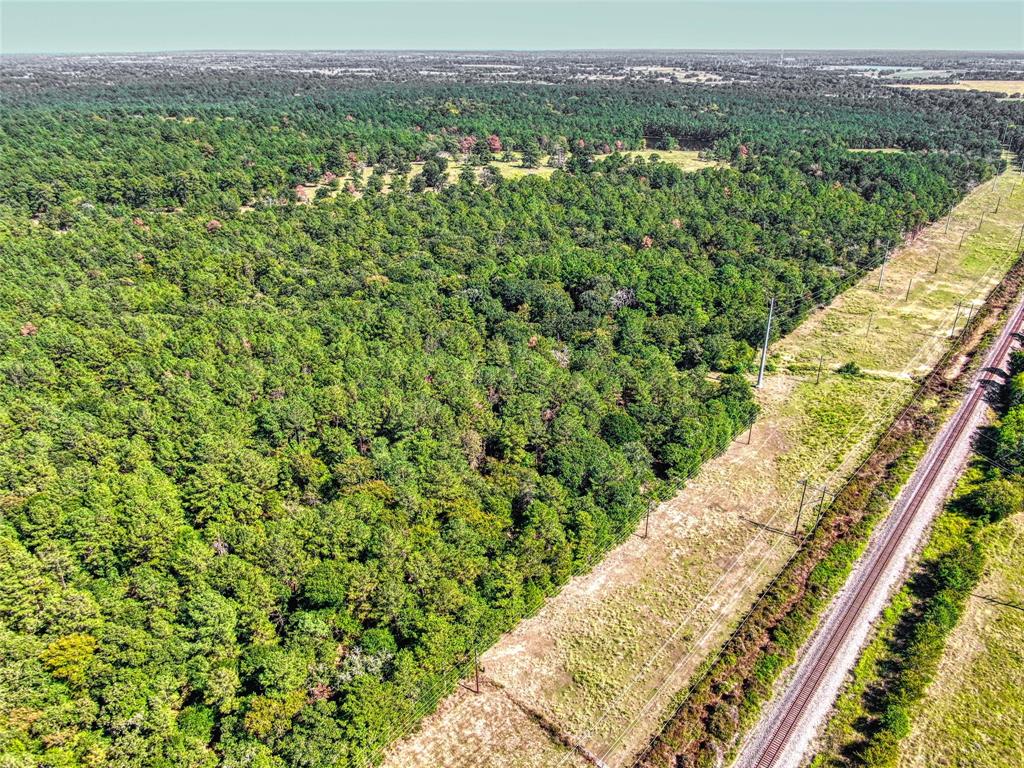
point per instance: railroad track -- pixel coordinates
(824, 649)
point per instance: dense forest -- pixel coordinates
(270, 468)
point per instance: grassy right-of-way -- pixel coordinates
(855, 329)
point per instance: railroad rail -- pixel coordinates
(824, 649)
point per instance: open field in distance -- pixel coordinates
(1008, 87)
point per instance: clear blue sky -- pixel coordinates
(53, 26)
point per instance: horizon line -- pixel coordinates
(986, 51)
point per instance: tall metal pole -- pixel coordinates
(764, 349)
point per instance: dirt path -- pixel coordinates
(602, 660)
(790, 723)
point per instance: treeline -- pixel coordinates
(267, 475)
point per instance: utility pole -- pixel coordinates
(962, 240)
(959, 306)
(750, 432)
(881, 273)
(821, 361)
(764, 349)
(981, 221)
(1021, 235)
(647, 519)
(803, 493)
(938, 256)
(970, 311)
(1000, 200)
(910, 282)
(476, 674)
(871, 317)
(950, 216)
(821, 504)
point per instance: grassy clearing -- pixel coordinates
(988, 86)
(688, 160)
(513, 169)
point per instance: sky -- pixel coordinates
(103, 26)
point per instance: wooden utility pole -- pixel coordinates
(970, 311)
(881, 274)
(476, 673)
(962, 240)
(1000, 200)
(767, 336)
(910, 282)
(981, 221)
(1021, 235)
(937, 257)
(821, 504)
(803, 493)
(871, 317)
(959, 306)
(647, 520)
(948, 218)
(821, 361)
